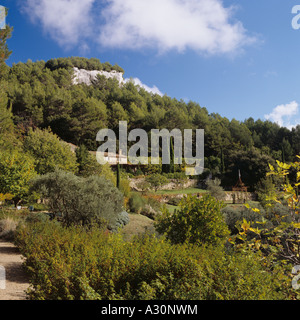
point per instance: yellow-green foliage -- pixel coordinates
(16, 170)
(72, 263)
(49, 152)
(197, 221)
(280, 239)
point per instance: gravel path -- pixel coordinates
(16, 280)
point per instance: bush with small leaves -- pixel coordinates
(136, 203)
(75, 263)
(197, 221)
(80, 200)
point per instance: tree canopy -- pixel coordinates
(41, 95)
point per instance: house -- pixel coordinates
(115, 158)
(111, 158)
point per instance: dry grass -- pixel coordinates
(7, 228)
(138, 224)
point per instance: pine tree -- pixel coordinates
(222, 161)
(4, 52)
(8, 139)
(6, 123)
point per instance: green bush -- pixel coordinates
(215, 189)
(176, 176)
(174, 201)
(136, 203)
(80, 200)
(125, 186)
(197, 221)
(73, 263)
(234, 215)
(156, 180)
(37, 217)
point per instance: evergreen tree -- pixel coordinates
(172, 165)
(87, 163)
(4, 52)
(118, 176)
(6, 122)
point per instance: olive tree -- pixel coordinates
(80, 200)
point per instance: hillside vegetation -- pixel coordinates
(40, 94)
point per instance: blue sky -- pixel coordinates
(240, 59)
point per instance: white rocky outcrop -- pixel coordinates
(87, 77)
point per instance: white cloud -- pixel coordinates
(201, 25)
(283, 114)
(138, 82)
(67, 21)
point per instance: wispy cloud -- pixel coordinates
(284, 114)
(138, 82)
(205, 26)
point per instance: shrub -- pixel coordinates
(143, 185)
(80, 200)
(136, 203)
(37, 217)
(156, 180)
(215, 189)
(73, 263)
(174, 201)
(125, 186)
(197, 221)
(233, 215)
(181, 176)
(122, 220)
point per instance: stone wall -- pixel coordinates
(172, 185)
(240, 197)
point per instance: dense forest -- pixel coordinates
(42, 95)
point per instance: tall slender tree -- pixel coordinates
(118, 176)
(172, 165)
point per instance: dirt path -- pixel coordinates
(16, 280)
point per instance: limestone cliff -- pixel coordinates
(85, 76)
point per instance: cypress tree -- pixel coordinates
(118, 177)
(171, 167)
